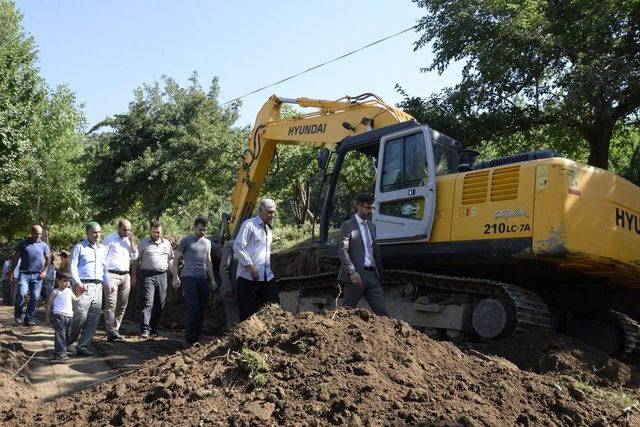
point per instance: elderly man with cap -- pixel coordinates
(89, 275)
(121, 250)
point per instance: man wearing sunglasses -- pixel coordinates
(360, 258)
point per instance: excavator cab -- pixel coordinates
(399, 165)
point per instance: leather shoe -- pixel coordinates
(29, 323)
(84, 353)
(144, 335)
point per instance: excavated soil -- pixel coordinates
(546, 352)
(14, 383)
(347, 368)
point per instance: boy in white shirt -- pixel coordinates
(61, 305)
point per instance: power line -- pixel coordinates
(320, 65)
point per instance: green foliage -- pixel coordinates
(562, 67)
(408, 359)
(22, 94)
(174, 152)
(621, 399)
(41, 141)
(255, 365)
(288, 235)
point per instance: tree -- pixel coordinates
(40, 139)
(533, 64)
(22, 94)
(175, 151)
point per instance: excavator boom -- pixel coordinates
(331, 123)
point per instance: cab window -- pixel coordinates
(405, 163)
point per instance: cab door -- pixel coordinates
(405, 186)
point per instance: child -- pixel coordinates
(61, 305)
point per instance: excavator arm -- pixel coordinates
(328, 125)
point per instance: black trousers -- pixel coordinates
(196, 297)
(62, 328)
(154, 298)
(371, 290)
(253, 295)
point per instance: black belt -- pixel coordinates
(90, 281)
(119, 272)
(153, 272)
(369, 268)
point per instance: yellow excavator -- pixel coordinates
(471, 250)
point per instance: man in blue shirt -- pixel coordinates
(34, 256)
(88, 275)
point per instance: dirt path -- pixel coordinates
(51, 380)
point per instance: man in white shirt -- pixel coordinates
(256, 284)
(121, 250)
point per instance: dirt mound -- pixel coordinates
(14, 382)
(546, 352)
(301, 260)
(351, 369)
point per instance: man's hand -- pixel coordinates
(111, 289)
(176, 282)
(11, 279)
(213, 286)
(355, 279)
(81, 288)
(255, 274)
(42, 275)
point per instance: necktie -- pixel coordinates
(369, 242)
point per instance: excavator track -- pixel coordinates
(531, 313)
(631, 329)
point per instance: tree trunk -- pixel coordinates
(599, 138)
(36, 203)
(300, 204)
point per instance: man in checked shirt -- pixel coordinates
(256, 283)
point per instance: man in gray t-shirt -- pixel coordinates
(197, 277)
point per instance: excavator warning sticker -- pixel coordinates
(503, 228)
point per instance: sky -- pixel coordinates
(103, 50)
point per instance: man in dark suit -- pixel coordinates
(360, 258)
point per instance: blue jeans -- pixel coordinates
(196, 296)
(32, 284)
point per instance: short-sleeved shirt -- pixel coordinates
(196, 253)
(154, 256)
(32, 255)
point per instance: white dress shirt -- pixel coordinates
(253, 247)
(119, 254)
(366, 240)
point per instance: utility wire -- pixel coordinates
(321, 65)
